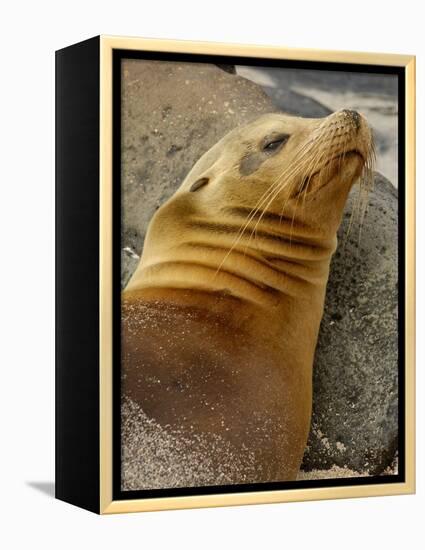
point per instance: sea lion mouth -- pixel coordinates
(324, 175)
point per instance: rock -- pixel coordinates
(334, 81)
(354, 421)
(279, 86)
(294, 103)
(165, 131)
(228, 68)
(167, 128)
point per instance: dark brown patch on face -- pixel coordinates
(269, 146)
(251, 162)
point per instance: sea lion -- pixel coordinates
(221, 317)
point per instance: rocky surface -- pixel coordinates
(166, 128)
(355, 380)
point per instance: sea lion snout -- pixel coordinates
(345, 132)
(354, 116)
(349, 119)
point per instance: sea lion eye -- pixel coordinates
(275, 143)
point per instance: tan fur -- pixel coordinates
(233, 278)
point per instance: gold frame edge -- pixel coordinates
(106, 503)
(410, 290)
(105, 276)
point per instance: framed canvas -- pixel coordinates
(235, 274)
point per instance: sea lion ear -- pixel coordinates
(198, 184)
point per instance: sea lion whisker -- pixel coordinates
(362, 198)
(318, 150)
(278, 190)
(296, 167)
(317, 162)
(292, 191)
(269, 192)
(310, 163)
(309, 170)
(275, 189)
(366, 183)
(298, 196)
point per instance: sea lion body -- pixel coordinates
(220, 319)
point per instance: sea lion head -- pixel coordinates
(279, 163)
(273, 189)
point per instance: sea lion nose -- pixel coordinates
(354, 116)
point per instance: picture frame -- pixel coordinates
(89, 126)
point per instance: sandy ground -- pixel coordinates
(337, 472)
(334, 473)
(154, 458)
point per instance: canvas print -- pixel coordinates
(259, 273)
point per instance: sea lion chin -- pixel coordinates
(220, 319)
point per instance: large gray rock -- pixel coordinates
(166, 128)
(355, 377)
(296, 104)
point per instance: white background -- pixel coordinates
(29, 34)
